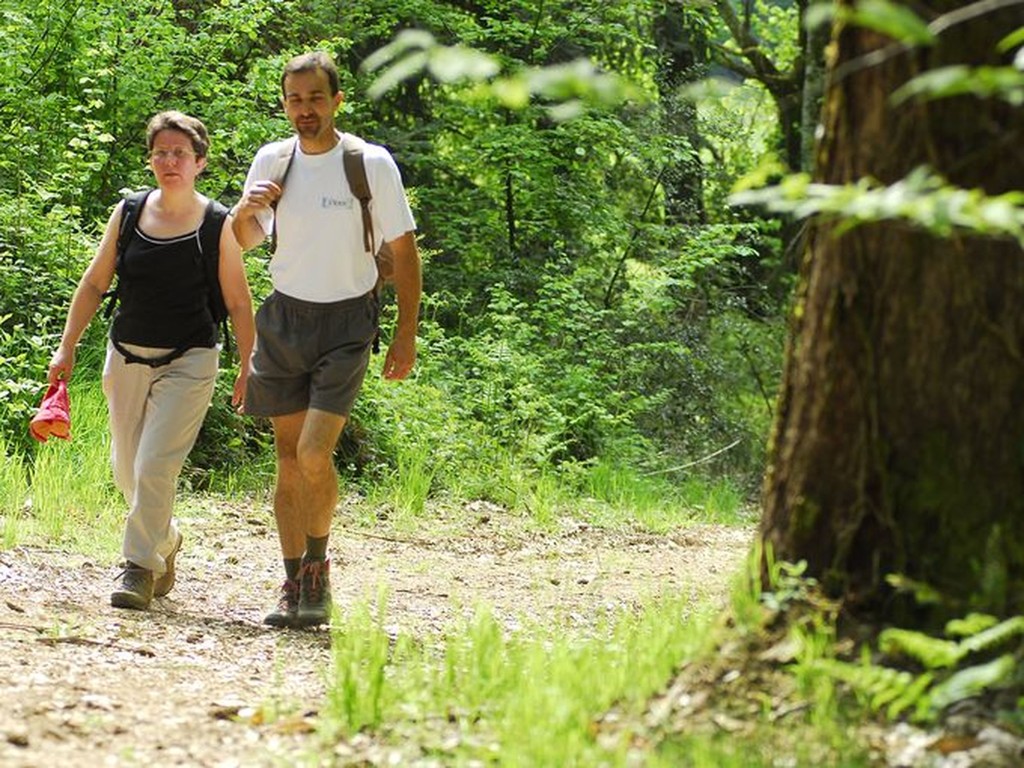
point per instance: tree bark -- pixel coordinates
(898, 446)
(813, 91)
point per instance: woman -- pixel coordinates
(162, 357)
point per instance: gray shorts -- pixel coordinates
(310, 355)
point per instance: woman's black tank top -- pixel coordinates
(162, 294)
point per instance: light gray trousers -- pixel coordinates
(155, 415)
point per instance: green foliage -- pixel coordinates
(69, 497)
(896, 21)
(531, 694)
(880, 688)
(13, 495)
(569, 85)
(570, 322)
(934, 653)
(973, 680)
(360, 651)
(954, 669)
(923, 198)
(960, 80)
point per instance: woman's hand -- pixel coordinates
(61, 365)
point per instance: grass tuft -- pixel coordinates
(529, 696)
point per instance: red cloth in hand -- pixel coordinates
(54, 415)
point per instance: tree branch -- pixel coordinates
(750, 46)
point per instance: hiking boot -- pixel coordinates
(286, 612)
(136, 588)
(314, 593)
(165, 583)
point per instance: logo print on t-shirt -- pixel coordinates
(332, 202)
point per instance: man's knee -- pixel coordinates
(314, 462)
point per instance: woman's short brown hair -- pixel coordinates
(173, 120)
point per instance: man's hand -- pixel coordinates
(244, 216)
(259, 196)
(401, 356)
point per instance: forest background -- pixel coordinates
(597, 320)
(602, 329)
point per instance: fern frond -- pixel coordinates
(914, 695)
(881, 686)
(932, 652)
(994, 637)
(972, 681)
(971, 624)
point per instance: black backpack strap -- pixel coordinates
(209, 248)
(130, 212)
(279, 174)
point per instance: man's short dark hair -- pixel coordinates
(311, 62)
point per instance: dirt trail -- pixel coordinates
(189, 681)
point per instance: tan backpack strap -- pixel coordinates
(355, 171)
(278, 174)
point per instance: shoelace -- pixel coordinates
(316, 570)
(289, 590)
(130, 567)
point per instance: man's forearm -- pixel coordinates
(408, 282)
(248, 231)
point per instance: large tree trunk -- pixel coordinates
(899, 441)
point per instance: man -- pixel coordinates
(315, 331)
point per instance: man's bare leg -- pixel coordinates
(315, 457)
(288, 502)
(305, 496)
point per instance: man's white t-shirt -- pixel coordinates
(320, 254)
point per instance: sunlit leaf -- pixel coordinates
(513, 92)
(971, 624)
(401, 70)
(922, 197)
(959, 80)
(404, 40)
(995, 636)
(895, 21)
(972, 681)
(1011, 41)
(566, 110)
(460, 63)
(933, 652)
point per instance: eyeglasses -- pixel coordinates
(177, 154)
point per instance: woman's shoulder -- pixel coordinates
(211, 205)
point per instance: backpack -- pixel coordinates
(352, 148)
(209, 249)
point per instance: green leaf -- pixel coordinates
(971, 624)
(972, 681)
(404, 40)
(933, 652)
(995, 636)
(895, 21)
(1011, 41)
(512, 92)
(401, 70)
(959, 80)
(460, 63)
